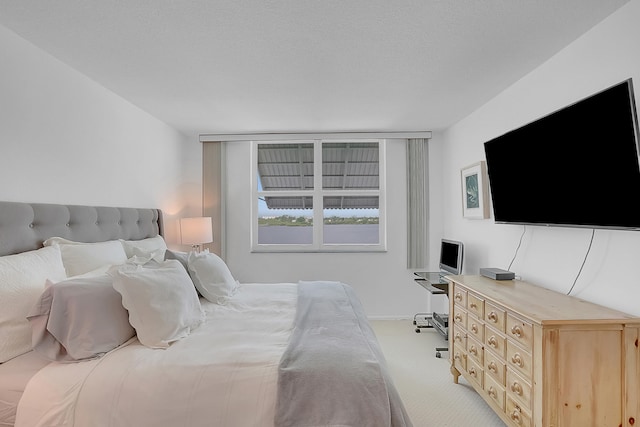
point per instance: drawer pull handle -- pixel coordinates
(473, 372)
(474, 328)
(458, 337)
(458, 296)
(493, 367)
(516, 388)
(493, 317)
(457, 356)
(516, 359)
(458, 318)
(493, 342)
(517, 331)
(515, 416)
(473, 305)
(492, 392)
(473, 350)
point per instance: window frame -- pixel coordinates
(318, 193)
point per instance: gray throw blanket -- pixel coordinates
(333, 372)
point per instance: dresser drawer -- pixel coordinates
(494, 316)
(518, 415)
(495, 367)
(459, 357)
(459, 295)
(475, 305)
(518, 389)
(475, 350)
(475, 328)
(494, 390)
(460, 316)
(459, 336)
(520, 331)
(495, 341)
(519, 360)
(476, 373)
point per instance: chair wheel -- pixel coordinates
(438, 355)
(415, 323)
(417, 330)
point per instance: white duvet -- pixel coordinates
(224, 374)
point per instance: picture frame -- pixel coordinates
(475, 193)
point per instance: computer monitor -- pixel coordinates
(451, 254)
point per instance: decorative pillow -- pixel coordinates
(79, 258)
(79, 318)
(162, 302)
(211, 276)
(153, 246)
(22, 280)
(180, 256)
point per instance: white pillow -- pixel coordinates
(22, 280)
(180, 256)
(146, 256)
(59, 241)
(162, 302)
(211, 276)
(154, 247)
(79, 258)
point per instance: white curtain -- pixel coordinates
(417, 202)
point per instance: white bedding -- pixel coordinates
(14, 377)
(225, 373)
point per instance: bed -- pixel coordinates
(102, 325)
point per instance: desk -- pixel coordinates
(435, 285)
(435, 288)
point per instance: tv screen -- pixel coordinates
(451, 254)
(577, 167)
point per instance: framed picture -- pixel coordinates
(475, 194)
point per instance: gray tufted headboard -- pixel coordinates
(24, 226)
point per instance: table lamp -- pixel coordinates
(196, 231)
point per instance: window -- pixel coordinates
(319, 195)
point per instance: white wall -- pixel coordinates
(551, 257)
(382, 281)
(65, 139)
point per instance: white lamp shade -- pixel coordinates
(195, 231)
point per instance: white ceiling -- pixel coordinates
(242, 66)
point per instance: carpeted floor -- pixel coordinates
(424, 381)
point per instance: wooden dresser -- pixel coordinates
(541, 358)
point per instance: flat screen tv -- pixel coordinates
(576, 167)
(451, 254)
